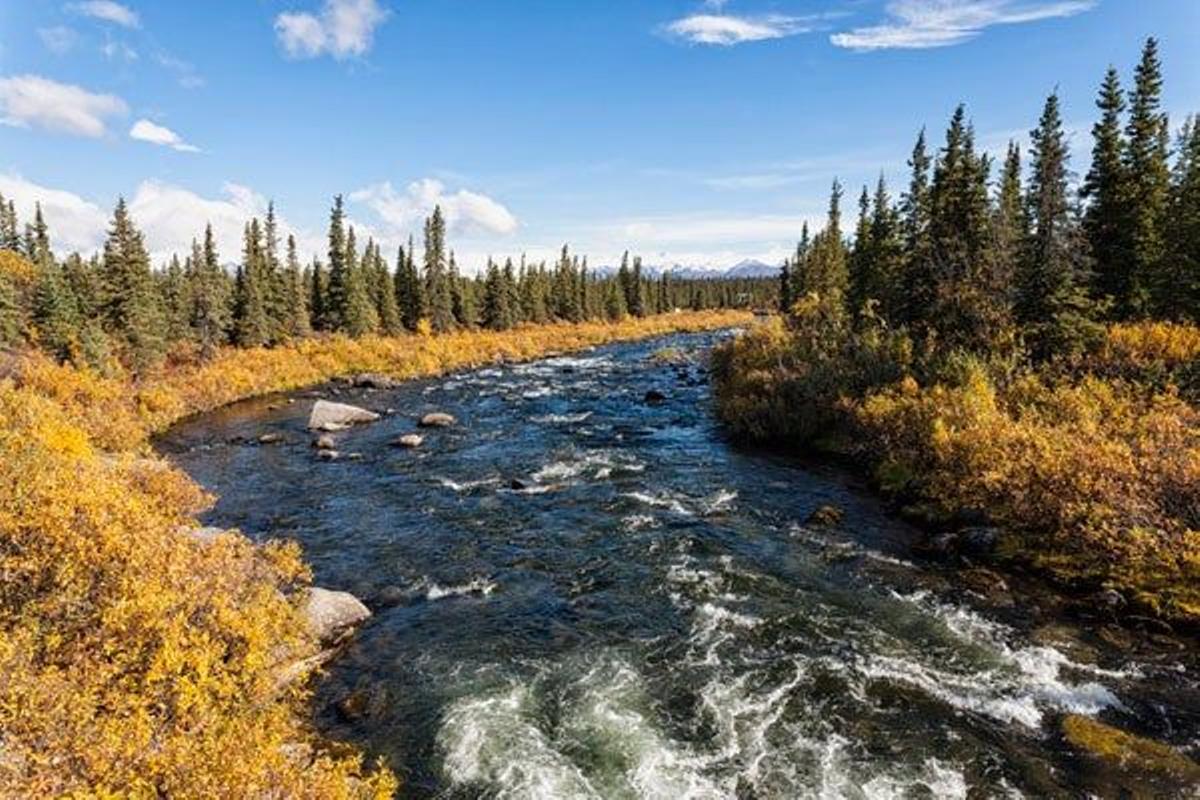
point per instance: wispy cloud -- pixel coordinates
(107, 11)
(342, 29)
(919, 24)
(34, 101)
(726, 29)
(146, 131)
(466, 211)
(59, 40)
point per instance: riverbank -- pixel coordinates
(1088, 473)
(135, 658)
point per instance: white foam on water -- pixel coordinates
(719, 502)
(637, 522)
(467, 486)
(1025, 683)
(562, 419)
(940, 780)
(596, 464)
(479, 586)
(494, 741)
(540, 391)
(661, 501)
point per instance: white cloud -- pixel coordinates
(113, 50)
(108, 11)
(465, 211)
(917, 24)
(75, 223)
(59, 40)
(31, 100)
(146, 131)
(726, 30)
(343, 28)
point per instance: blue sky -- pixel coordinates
(690, 131)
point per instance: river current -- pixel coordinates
(579, 593)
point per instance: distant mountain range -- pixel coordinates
(750, 268)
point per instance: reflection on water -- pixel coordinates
(579, 594)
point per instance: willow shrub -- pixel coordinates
(1095, 473)
(136, 660)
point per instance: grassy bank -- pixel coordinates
(1091, 467)
(136, 660)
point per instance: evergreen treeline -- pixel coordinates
(985, 264)
(115, 304)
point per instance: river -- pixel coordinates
(578, 593)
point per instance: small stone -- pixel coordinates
(410, 441)
(826, 516)
(325, 442)
(373, 380)
(270, 438)
(328, 455)
(517, 485)
(355, 457)
(655, 396)
(437, 419)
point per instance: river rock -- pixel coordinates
(327, 416)
(826, 516)
(978, 541)
(328, 455)
(410, 441)
(270, 438)
(331, 615)
(325, 442)
(655, 396)
(373, 380)
(437, 419)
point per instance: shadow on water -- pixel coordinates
(579, 593)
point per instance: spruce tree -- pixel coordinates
(1149, 186)
(1182, 269)
(211, 316)
(55, 313)
(129, 304)
(1106, 188)
(826, 272)
(10, 309)
(175, 300)
(637, 297)
(297, 323)
(253, 326)
(861, 262)
(884, 282)
(437, 287)
(383, 292)
(1052, 303)
(337, 293)
(358, 316)
(1010, 229)
(919, 280)
(410, 295)
(512, 291)
(318, 289)
(495, 313)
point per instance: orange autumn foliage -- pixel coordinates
(136, 660)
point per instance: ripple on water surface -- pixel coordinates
(579, 594)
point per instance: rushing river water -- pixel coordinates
(581, 594)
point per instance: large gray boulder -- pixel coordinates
(331, 615)
(327, 416)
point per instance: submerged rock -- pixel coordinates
(437, 419)
(328, 455)
(1132, 755)
(325, 442)
(654, 396)
(327, 416)
(410, 441)
(331, 615)
(270, 438)
(826, 515)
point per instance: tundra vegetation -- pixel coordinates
(139, 659)
(1023, 349)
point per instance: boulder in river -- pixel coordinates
(327, 416)
(437, 419)
(409, 440)
(331, 615)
